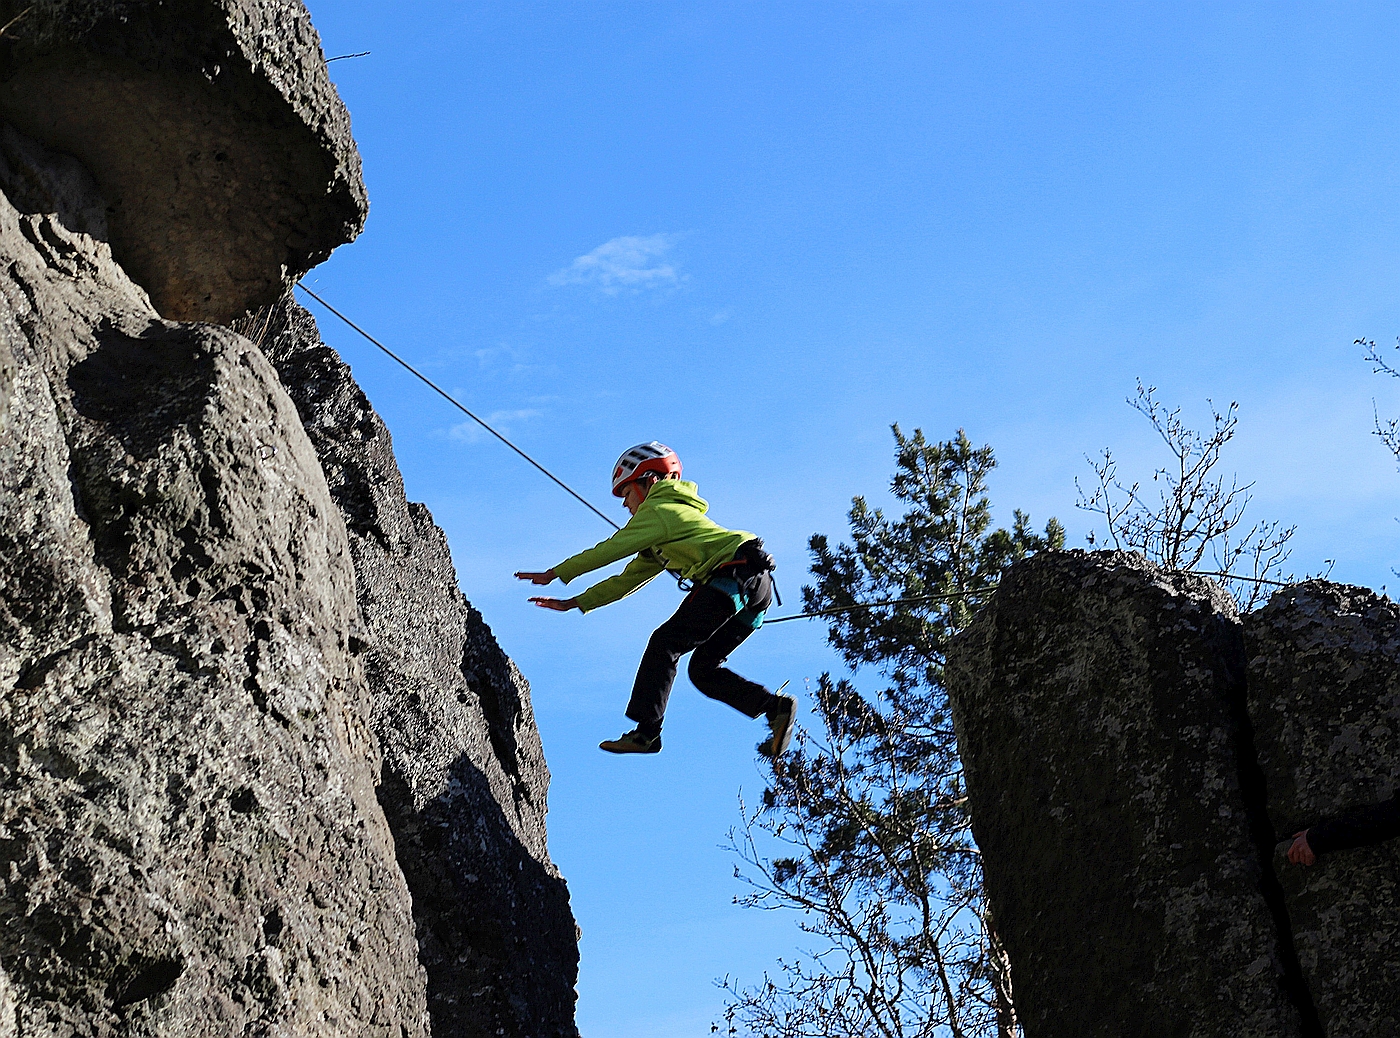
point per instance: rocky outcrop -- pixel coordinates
(464, 780)
(221, 149)
(1137, 761)
(1100, 713)
(263, 769)
(1324, 699)
(190, 841)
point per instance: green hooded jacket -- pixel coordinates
(670, 531)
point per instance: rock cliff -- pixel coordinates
(1095, 701)
(1324, 700)
(1135, 753)
(464, 778)
(263, 769)
(189, 834)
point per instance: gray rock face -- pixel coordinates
(1324, 698)
(7, 1007)
(1099, 704)
(464, 779)
(212, 128)
(190, 842)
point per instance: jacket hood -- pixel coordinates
(676, 492)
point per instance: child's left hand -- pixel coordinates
(547, 577)
(562, 605)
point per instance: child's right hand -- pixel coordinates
(547, 577)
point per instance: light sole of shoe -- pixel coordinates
(781, 739)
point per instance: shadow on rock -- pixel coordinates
(495, 931)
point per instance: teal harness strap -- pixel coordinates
(729, 586)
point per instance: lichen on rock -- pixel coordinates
(464, 780)
(7, 1007)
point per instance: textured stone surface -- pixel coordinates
(1324, 698)
(464, 779)
(220, 145)
(190, 842)
(1098, 702)
(7, 1007)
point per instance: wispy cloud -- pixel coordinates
(631, 261)
(502, 358)
(471, 432)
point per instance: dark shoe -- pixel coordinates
(635, 741)
(780, 721)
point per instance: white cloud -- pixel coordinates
(504, 358)
(491, 356)
(627, 262)
(472, 432)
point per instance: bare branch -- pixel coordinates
(1197, 513)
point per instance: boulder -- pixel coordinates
(221, 148)
(190, 842)
(1098, 703)
(464, 781)
(1324, 700)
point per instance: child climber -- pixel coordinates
(729, 571)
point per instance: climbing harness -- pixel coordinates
(750, 554)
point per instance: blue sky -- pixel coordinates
(762, 232)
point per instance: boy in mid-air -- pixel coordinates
(732, 588)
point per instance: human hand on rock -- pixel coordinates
(547, 577)
(1300, 853)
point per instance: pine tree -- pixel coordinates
(864, 827)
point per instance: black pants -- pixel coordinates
(708, 623)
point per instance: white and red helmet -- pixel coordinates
(639, 460)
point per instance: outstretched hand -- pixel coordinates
(1300, 853)
(562, 605)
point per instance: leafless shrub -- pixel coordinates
(256, 324)
(1388, 429)
(1196, 519)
